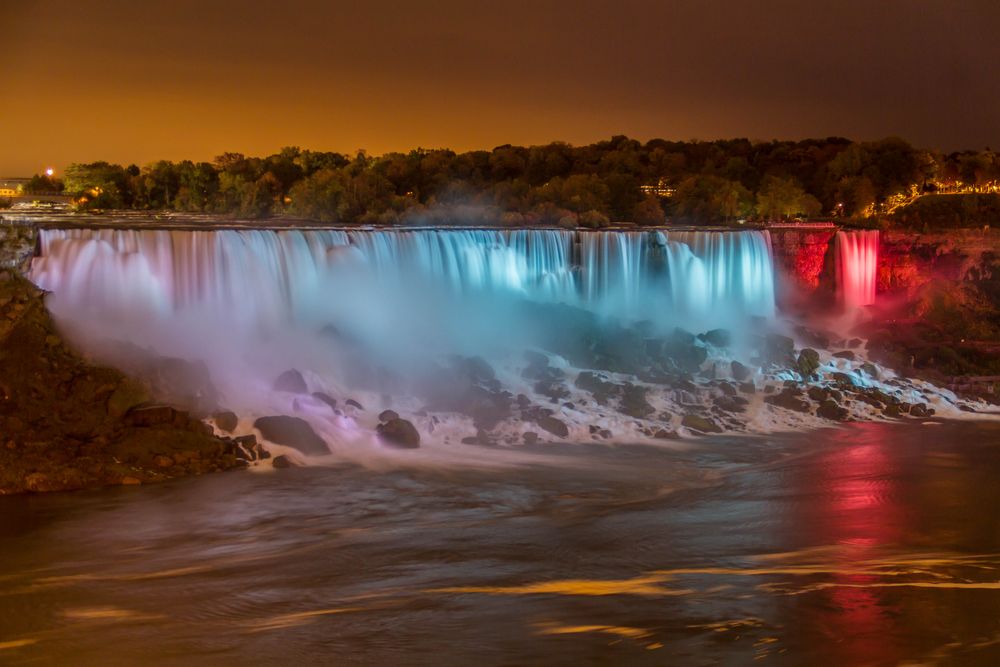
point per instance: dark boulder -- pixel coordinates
(829, 409)
(291, 432)
(155, 415)
(326, 398)
(779, 350)
(788, 399)
(808, 362)
(738, 371)
(845, 354)
(283, 462)
(633, 402)
(717, 337)
(552, 425)
(292, 382)
(400, 433)
(388, 415)
(226, 421)
(699, 423)
(354, 404)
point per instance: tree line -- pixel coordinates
(621, 179)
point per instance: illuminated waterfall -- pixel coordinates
(856, 266)
(693, 279)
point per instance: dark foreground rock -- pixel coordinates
(400, 433)
(66, 424)
(291, 432)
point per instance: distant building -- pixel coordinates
(12, 187)
(661, 189)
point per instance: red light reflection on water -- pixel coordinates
(861, 513)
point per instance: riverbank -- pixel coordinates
(67, 424)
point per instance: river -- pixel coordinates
(874, 544)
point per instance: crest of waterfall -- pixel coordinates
(856, 267)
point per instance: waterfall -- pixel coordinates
(856, 267)
(692, 279)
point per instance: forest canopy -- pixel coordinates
(621, 179)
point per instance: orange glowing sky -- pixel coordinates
(133, 81)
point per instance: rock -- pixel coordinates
(829, 409)
(292, 382)
(788, 399)
(664, 434)
(130, 481)
(818, 394)
(727, 389)
(732, 403)
(226, 421)
(399, 432)
(845, 354)
(870, 369)
(354, 404)
(325, 398)
(530, 437)
(163, 461)
(633, 402)
(145, 416)
(552, 425)
(699, 423)
(388, 415)
(920, 410)
(126, 395)
(779, 350)
(600, 387)
(748, 387)
(738, 371)
(282, 462)
(892, 410)
(844, 380)
(291, 432)
(717, 337)
(808, 362)
(854, 343)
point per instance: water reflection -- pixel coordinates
(875, 544)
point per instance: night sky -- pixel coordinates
(134, 81)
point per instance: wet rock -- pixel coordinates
(530, 437)
(146, 416)
(811, 337)
(163, 461)
(554, 426)
(699, 423)
(788, 399)
(808, 362)
(687, 357)
(854, 343)
(727, 389)
(892, 410)
(664, 434)
(354, 404)
(748, 387)
(602, 389)
(738, 371)
(291, 381)
(829, 409)
(779, 350)
(226, 421)
(633, 402)
(291, 432)
(554, 390)
(920, 410)
(400, 433)
(283, 461)
(845, 354)
(818, 394)
(388, 415)
(538, 363)
(125, 396)
(717, 337)
(731, 403)
(325, 398)
(870, 370)
(843, 380)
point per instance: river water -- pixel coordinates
(871, 544)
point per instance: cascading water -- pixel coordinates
(377, 310)
(856, 267)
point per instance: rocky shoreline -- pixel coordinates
(67, 424)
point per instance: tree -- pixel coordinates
(649, 212)
(780, 197)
